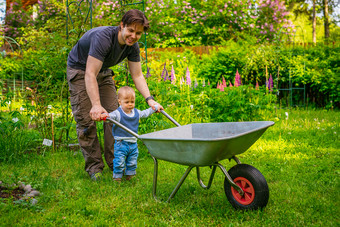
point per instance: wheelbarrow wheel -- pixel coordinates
(254, 185)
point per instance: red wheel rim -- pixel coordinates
(248, 189)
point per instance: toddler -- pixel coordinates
(125, 147)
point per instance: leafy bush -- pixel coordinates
(16, 140)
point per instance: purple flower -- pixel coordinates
(163, 73)
(270, 83)
(166, 77)
(148, 73)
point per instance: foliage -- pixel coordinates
(192, 23)
(16, 140)
(316, 68)
(16, 18)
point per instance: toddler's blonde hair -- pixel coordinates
(125, 91)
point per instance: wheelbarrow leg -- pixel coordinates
(236, 160)
(210, 179)
(230, 180)
(155, 176)
(180, 182)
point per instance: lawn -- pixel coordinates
(298, 156)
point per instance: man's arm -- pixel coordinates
(141, 85)
(93, 67)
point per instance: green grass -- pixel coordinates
(299, 158)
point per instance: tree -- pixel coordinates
(314, 22)
(326, 18)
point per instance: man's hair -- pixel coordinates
(135, 16)
(125, 91)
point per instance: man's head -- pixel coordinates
(132, 26)
(135, 16)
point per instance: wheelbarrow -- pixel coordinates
(206, 144)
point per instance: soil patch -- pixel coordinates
(15, 193)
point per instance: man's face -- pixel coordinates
(131, 33)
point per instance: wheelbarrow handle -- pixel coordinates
(121, 126)
(170, 118)
(105, 117)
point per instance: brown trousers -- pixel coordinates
(86, 127)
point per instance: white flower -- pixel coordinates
(22, 108)
(286, 115)
(15, 120)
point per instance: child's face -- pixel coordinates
(127, 102)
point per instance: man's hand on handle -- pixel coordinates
(152, 103)
(97, 112)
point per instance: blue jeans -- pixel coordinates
(126, 155)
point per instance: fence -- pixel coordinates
(14, 85)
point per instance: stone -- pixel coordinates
(28, 188)
(35, 193)
(21, 186)
(29, 195)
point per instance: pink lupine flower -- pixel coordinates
(230, 84)
(173, 76)
(257, 87)
(224, 83)
(218, 85)
(188, 77)
(237, 79)
(221, 87)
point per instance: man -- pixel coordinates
(91, 86)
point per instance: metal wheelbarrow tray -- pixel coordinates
(205, 144)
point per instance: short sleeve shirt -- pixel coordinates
(102, 44)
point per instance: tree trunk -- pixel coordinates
(314, 23)
(326, 18)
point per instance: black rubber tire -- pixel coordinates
(258, 182)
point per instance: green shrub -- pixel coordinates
(16, 140)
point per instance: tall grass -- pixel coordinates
(298, 156)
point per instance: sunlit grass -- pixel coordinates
(298, 156)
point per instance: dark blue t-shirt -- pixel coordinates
(102, 44)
